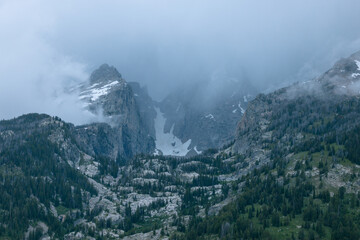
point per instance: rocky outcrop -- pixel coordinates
(146, 106)
(109, 95)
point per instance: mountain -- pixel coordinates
(201, 116)
(146, 107)
(39, 177)
(54, 185)
(185, 123)
(292, 171)
(108, 95)
(294, 113)
(300, 146)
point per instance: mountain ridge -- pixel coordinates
(292, 171)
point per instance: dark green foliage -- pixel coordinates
(32, 174)
(352, 145)
(276, 206)
(107, 166)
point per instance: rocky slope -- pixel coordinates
(83, 193)
(328, 104)
(303, 141)
(293, 165)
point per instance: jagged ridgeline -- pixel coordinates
(291, 171)
(185, 123)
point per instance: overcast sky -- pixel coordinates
(45, 45)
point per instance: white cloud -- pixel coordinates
(33, 74)
(45, 45)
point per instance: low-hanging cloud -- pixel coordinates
(33, 73)
(47, 46)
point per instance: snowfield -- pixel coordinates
(167, 143)
(358, 64)
(94, 93)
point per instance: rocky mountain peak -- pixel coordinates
(108, 95)
(104, 80)
(346, 68)
(105, 73)
(344, 76)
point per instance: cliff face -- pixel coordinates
(146, 106)
(109, 95)
(187, 122)
(205, 114)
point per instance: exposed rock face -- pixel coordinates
(185, 123)
(255, 122)
(146, 106)
(208, 120)
(99, 139)
(105, 73)
(108, 94)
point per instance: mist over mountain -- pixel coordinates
(292, 169)
(179, 120)
(48, 46)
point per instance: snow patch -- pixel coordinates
(197, 151)
(156, 152)
(355, 75)
(210, 116)
(167, 143)
(241, 109)
(234, 111)
(305, 82)
(94, 93)
(245, 99)
(358, 64)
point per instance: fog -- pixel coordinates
(48, 45)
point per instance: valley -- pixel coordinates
(289, 169)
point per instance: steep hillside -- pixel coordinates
(55, 185)
(303, 141)
(318, 110)
(38, 179)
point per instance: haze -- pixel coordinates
(46, 46)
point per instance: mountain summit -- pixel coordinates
(110, 97)
(105, 73)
